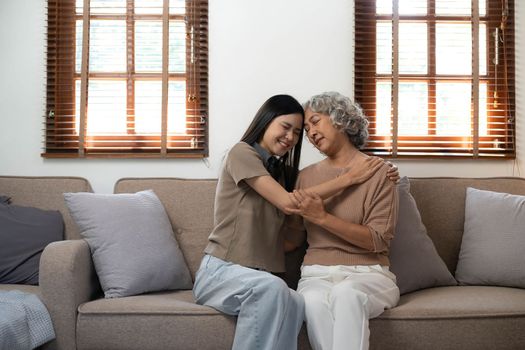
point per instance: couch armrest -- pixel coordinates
(67, 279)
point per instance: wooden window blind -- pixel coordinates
(127, 78)
(436, 77)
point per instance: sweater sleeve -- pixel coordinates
(381, 212)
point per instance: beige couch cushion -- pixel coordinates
(166, 320)
(469, 317)
(459, 302)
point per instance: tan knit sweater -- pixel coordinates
(372, 204)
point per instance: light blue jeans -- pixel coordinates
(270, 315)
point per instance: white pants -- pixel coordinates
(339, 301)
(270, 314)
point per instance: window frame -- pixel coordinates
(62, 141)
(397, 146)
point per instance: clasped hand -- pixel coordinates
(309, 205)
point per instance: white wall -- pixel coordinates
(258, 48)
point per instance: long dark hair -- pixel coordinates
(274, 107)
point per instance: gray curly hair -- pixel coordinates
(345, 115)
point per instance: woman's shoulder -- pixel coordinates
(242, 154)
(241, 148)
(241, 145)
(380, 173)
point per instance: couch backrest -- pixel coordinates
(441, 202)
(189, 204)
(45, 192)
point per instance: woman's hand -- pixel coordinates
(310, 206)
(360, 171)
(393, 172)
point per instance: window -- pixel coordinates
(127, 78)
(436, 77)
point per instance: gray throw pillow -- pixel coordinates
(24, 233)
(413, 257)
(131, 241)
(493, 240)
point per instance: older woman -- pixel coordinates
(345, 278)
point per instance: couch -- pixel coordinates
(454, 317)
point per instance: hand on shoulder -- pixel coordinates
(362, 169)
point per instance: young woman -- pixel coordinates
(254, 191)
(345, 278)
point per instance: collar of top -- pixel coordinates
(265, 155)
(273, 164)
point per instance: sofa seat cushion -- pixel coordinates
(459, 302)
(470, 317)
(168, 302)
(162, 320)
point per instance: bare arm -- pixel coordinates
(274, 193)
